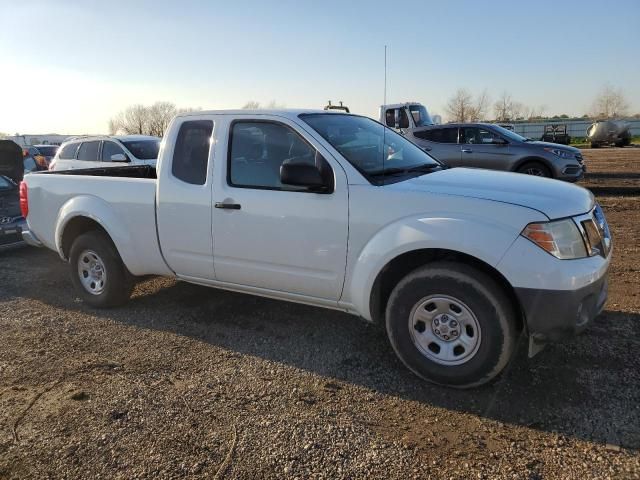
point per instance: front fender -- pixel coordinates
(102, 213)
(485, 239)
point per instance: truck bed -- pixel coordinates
(122, 197)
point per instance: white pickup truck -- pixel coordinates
(338, 211)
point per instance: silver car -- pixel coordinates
(482, 145)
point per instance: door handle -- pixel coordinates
(467, 150)
(229, 206)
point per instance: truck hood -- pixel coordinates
(554, 198)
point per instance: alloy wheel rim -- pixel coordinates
(91, 272)
(445, 330)
(535, 172)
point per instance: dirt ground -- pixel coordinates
(190, 382)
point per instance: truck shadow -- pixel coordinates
(586, 388)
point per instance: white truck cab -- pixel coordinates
(403, 116)
(338, 211)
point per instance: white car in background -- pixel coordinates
(106, 151)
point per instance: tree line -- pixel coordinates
(145, 120)
(463, 106)
(154, 119)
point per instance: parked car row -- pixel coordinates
(483, 145)
(106, 151)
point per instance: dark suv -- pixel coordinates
(482, 145)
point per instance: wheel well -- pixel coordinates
(533, 159)
(402, 265)
(76, 227)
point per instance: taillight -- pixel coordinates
(24, 200)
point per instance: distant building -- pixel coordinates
(44, 139)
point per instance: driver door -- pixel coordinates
(272, 236)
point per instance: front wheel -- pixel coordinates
(451, 324)
(535, 168)
(97, 271)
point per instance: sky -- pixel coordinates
(68, 66)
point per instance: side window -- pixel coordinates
(88, 151)
(110, 148)
(404, 119)
(487, 136)
(258, 149)
(68, 152)
(440, 135)
(390, 118)
(469, 135)
(191, 154)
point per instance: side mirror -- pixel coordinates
(302, 175)
(119, 157)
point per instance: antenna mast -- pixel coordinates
(385, 75)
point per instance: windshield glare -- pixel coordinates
(420, 115)
(367, 145)
(143, 149)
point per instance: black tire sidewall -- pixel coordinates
(118, 285)
(492, 312)
(541, 166)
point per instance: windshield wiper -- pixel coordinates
(427, 167)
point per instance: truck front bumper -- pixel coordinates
(558, 298)
(553, 315)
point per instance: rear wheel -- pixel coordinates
(97, 271)
(451, 324)
(535, 168)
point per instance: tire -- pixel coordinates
(492, 323)
(97, 272)
(595, 145)
(536, 169)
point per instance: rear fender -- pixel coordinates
(103, 214)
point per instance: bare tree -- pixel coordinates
(517, 111)
(140, 119)
(479, 110)
(503, 107)
(159, 116)
(610, 103)
(460, 107)
(251, 105)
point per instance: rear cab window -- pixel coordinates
(191, 153)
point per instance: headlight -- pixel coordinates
(560, 153)
(560, 238)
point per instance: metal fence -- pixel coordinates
(575, 128)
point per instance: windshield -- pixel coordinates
(48, 151)
(143, 149)
(509, 134)
(420, 115)
(373, 149)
